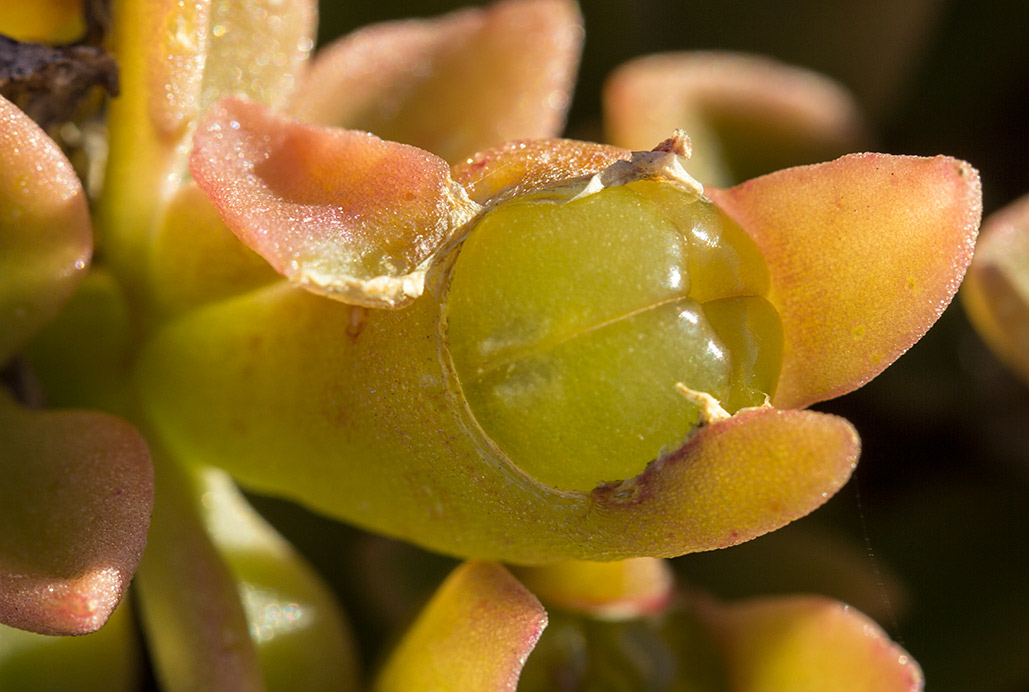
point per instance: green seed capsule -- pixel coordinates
(573, 327)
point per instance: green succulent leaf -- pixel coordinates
(474, 634)
(257, 616)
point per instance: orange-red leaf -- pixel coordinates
(339, 212)
(864, 252)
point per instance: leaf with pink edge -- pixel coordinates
(746, 114)
(339, 212)
(74, 509)
(474, 634)
(45, 233)
(996, 291)
(864, 252)
(617, 590)
(803, 643)
(451, 85)
(176, 59)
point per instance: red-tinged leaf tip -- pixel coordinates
(619, 590)
(474, 634)
(519, 167)
(735, 480)
(75, 505)
(864, 252)
(338, 212)
(455, 84)
(809, 643)
(746, 114)
(996, 291)
(45, 232)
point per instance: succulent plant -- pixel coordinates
(377, 284)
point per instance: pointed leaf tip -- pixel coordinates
(338, 212)
(865, 252)
(74, 510)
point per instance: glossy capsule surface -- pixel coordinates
(573, 326)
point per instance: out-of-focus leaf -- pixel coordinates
(108, 660)
(51, 21)
(45, 233)
(864, 252)
(809, 643)
(255, 617)
(196, 259)
(609, 590)
(996, 292)
(82, 358)
(75, 503)
(452, 85)
(295, 623)
(474, 634)
(349, 412)
(746, 115)
(195, 624)
(339, 212)
(803, 557)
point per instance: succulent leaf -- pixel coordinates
(996, 291)
(747, 115)
(339, 212)
(452, 85)
(865, 252)
(349, 411)
(45, 232)
(75, 504)
(617, 590)
(809, 643)
(474, 634)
